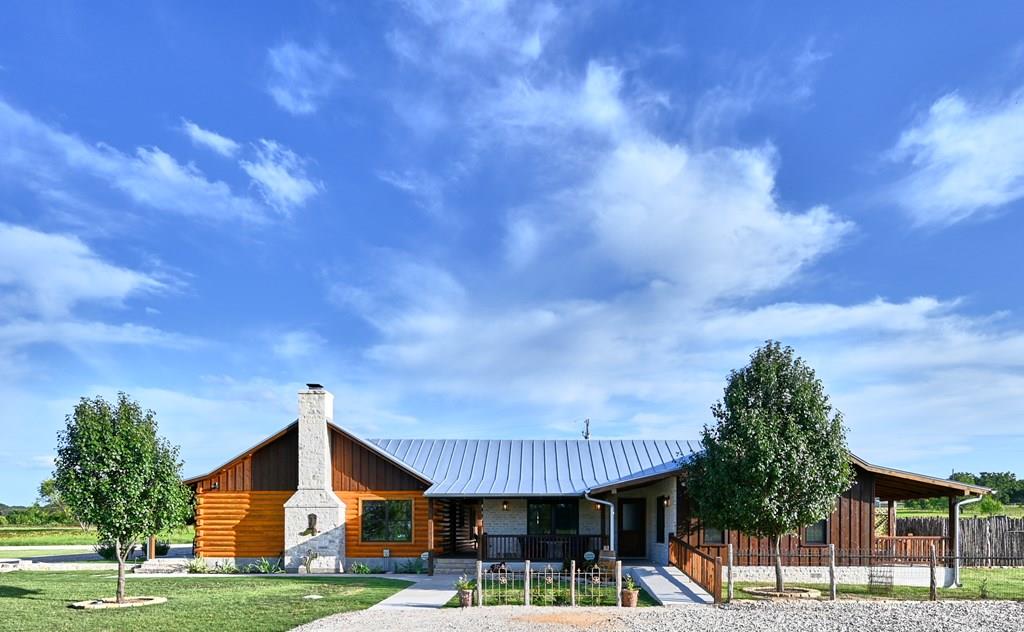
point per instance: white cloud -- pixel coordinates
(425, 189)
(211, 140)
(48, 274)
(69, 333)
(965, 159)
(301, 79)
(708, 222)
(475, 30)
(292, 345)
(280, 176)
(45, 159)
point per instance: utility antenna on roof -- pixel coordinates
(586, 428)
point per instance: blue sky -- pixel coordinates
(496, 219)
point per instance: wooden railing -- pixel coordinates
(538, 548)
(911, 547)
(702, 568)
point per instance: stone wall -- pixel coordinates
(499, 521)
(857, 575)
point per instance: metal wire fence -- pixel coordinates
(886, 573)
(546, 585)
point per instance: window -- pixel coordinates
(387, 521)
(713, 536)
(816, 533)
(553, 517)
(659, 533)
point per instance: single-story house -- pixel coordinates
(315, 486)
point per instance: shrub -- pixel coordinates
(360, 569)
(990, 506)
(163, 547)
(225, 568)
(263, 566)
(106, 551)
(463, 583)
(197, 565)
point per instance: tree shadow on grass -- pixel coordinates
(16, 592)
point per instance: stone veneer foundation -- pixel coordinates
(314, 517)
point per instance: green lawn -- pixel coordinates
(513, 595)
(32, 536)
(995, 583)
(1013, 511)
(39, 601)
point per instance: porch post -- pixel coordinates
(430, 536)
(892, 517)
(953, 528)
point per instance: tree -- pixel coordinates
(114, 471)
(49, 496)
(776, 458)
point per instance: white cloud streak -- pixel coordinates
(965, 159)
(303, 78)
(280, 176)
(210, 140)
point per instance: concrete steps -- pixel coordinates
(162, 565)
(455, 566)
(8, 565)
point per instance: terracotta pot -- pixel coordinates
(465, 598)
(629, 598)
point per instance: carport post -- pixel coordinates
(479, 583)
(832, 572)
(618, 583)
(729, 575)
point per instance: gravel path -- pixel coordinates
(972, 616)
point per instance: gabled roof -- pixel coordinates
(333, 428)
(893, 484)
(469, 467)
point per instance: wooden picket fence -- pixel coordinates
(980, 538)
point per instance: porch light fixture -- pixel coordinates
(666, 500)
(597, 507)
(215, 485)
(504, 505)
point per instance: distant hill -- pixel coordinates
(7, 509)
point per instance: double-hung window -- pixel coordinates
(386, 521)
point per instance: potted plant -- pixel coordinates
(465, 588)
(630, 592)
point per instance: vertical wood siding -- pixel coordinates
(849, 527)
(356, 468)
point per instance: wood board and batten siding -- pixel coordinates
(850, 528)
(240, 507)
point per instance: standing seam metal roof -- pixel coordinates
(501, 467)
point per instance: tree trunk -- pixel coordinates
(121, 554)
(779, 585)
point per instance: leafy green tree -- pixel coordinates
(776, 458)
(990, 506)
(115, 472)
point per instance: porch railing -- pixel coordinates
(911, 547)
(540, 548)
(703, 569)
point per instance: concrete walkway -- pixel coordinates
(668, 585)
(428, 592)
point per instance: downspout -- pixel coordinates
(956, 542)
(611, 517)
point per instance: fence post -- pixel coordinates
(729, 574)
(933, 589)
(618, 583)
(832, 572)
(572, 583)
(479, 583)
(526, 584)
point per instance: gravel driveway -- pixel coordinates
(973, 616)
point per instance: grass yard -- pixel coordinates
(39, 601)
(32, 536)
(513, 595)
(970, 511)
(978, 583)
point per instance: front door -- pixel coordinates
(632, 527)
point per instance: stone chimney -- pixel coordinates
(316, 410)
(314, 517)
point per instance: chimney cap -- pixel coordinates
(315, 387)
